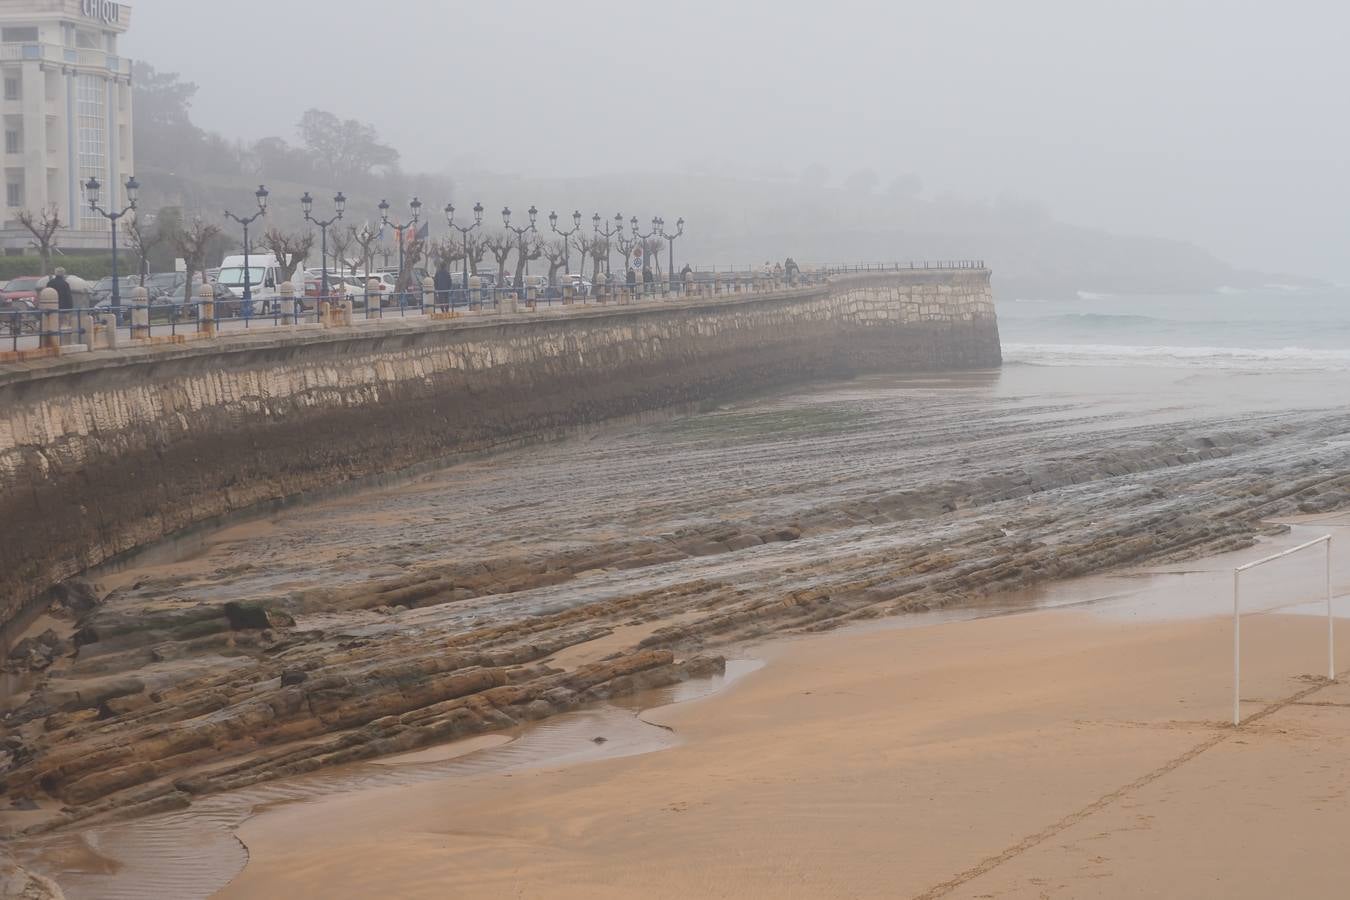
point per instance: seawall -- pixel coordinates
(102, 453)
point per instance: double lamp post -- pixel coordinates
(261, 195)
(91, 192)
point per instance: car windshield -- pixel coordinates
(233, 276)
(162, 278)
(22, 284)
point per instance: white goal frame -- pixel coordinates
(1237, 621)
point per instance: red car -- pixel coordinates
(23, 288)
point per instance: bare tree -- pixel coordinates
(555, 252)
(193, 243)
(341, 241)
(583, 243)
(365, 238)
(530, 246)
(625, 246)
(413, 251)
(599, 254)
(141, 242)
(499, 244)
(445, 252)
(290, 249)
(477, 250)
(652, 248)
(43, 226)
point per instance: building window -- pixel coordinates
(91, 124)
(13, 140)
(14, 193)
(88, 40)
(27, 35)
(13, 89)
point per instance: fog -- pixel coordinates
(1220, 123)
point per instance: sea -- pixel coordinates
(1274, 328)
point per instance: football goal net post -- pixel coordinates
(1325, 542)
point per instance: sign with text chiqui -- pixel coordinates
(105, 11)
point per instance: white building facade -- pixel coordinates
(66, 107)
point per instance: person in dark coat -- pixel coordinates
(444, 284)
(64, 299)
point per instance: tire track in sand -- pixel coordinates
(1032, 840)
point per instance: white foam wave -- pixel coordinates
(1289, 359)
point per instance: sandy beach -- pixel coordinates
(864, 540)
(1059, 753)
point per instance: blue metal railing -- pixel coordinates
(24, 327)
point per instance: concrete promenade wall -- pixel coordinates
(102, 453)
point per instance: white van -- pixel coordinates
(264, 275)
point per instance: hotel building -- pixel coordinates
(67, 115)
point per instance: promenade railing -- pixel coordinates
(26, 328)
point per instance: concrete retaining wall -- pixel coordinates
(106, 452)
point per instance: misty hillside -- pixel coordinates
(731, 220)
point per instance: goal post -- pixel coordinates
(1325, 540)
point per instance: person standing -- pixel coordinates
(444, 284)
(65, 301)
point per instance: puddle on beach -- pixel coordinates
(193, 853)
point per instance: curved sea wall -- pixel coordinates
(105, 452)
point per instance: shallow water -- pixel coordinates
(194, 852)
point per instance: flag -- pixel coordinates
(419, 234)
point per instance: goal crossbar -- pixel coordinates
(1237, 620)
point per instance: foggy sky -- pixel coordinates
(1222, 122)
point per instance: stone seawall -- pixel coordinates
(106, 452)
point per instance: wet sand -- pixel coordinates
(1052, 754)
(572, 572)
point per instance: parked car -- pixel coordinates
(580, 286)
(101, 292)
(25, 287)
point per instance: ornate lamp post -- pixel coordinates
(607, 233)
(340, 205)
(642, 239)
(416, 206)
(567, 237)
(91, 191)
(464, 231)
(520, 232)
(261, 195)
(670, 238)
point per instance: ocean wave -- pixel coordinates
(1102, 319)
(1289, 359)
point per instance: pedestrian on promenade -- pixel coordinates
(444, 284)
(64, 300)
(647, 279)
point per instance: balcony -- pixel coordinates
(84, 60)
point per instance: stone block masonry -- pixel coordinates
(103, 453)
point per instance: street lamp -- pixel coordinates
(643, 238)
(261, 195)
(607, 233)
(416, 206)
(464, 231)
(340, 205)
(670, 259)
(91, 191)
(567, 238)
(520, 232)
